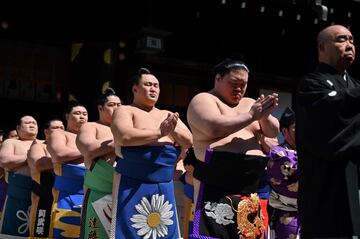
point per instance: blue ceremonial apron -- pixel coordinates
(68, 198)
(15, 218)
(146, 201)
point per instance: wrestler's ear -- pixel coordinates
(134, 90)
(285, 132)
(46, 131)
(217, 77)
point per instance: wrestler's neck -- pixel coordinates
(74, 130)
(103, 121)
(26, 137)
(143, 106)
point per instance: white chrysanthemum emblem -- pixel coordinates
(153, 219)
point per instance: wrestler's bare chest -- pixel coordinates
(148, 120)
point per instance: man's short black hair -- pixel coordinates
(72, 104)
(47, 124)
(227, 65)
(287, 118)
(6, 133)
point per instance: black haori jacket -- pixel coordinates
(328, 145)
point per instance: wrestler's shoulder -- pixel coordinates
(92, 125)
(62, 134)
(126, 107)
(123, 108)
(163, 111)
(10, 141)
(203, 96)
(15, 142)
(38, 145)
(58, 133)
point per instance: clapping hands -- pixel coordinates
(169, 124)
(264, 105)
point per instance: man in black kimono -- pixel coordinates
(328, 141)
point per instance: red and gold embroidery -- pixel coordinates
(250, 221)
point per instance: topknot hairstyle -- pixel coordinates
(142, 71)
(102, 99)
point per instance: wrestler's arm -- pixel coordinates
(269, 126)
(90, 146)
(182, 135)
(125, 134)
(8, 159)
(179, 169)
(204, 114)
(268, 123)
(38, 159)
(267, 143)
(59, 149)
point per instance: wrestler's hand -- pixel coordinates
(263, 106)
(108, 144)
(169, 124)
(269, 103)
(257, 108)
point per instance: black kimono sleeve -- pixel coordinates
(328, 116)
